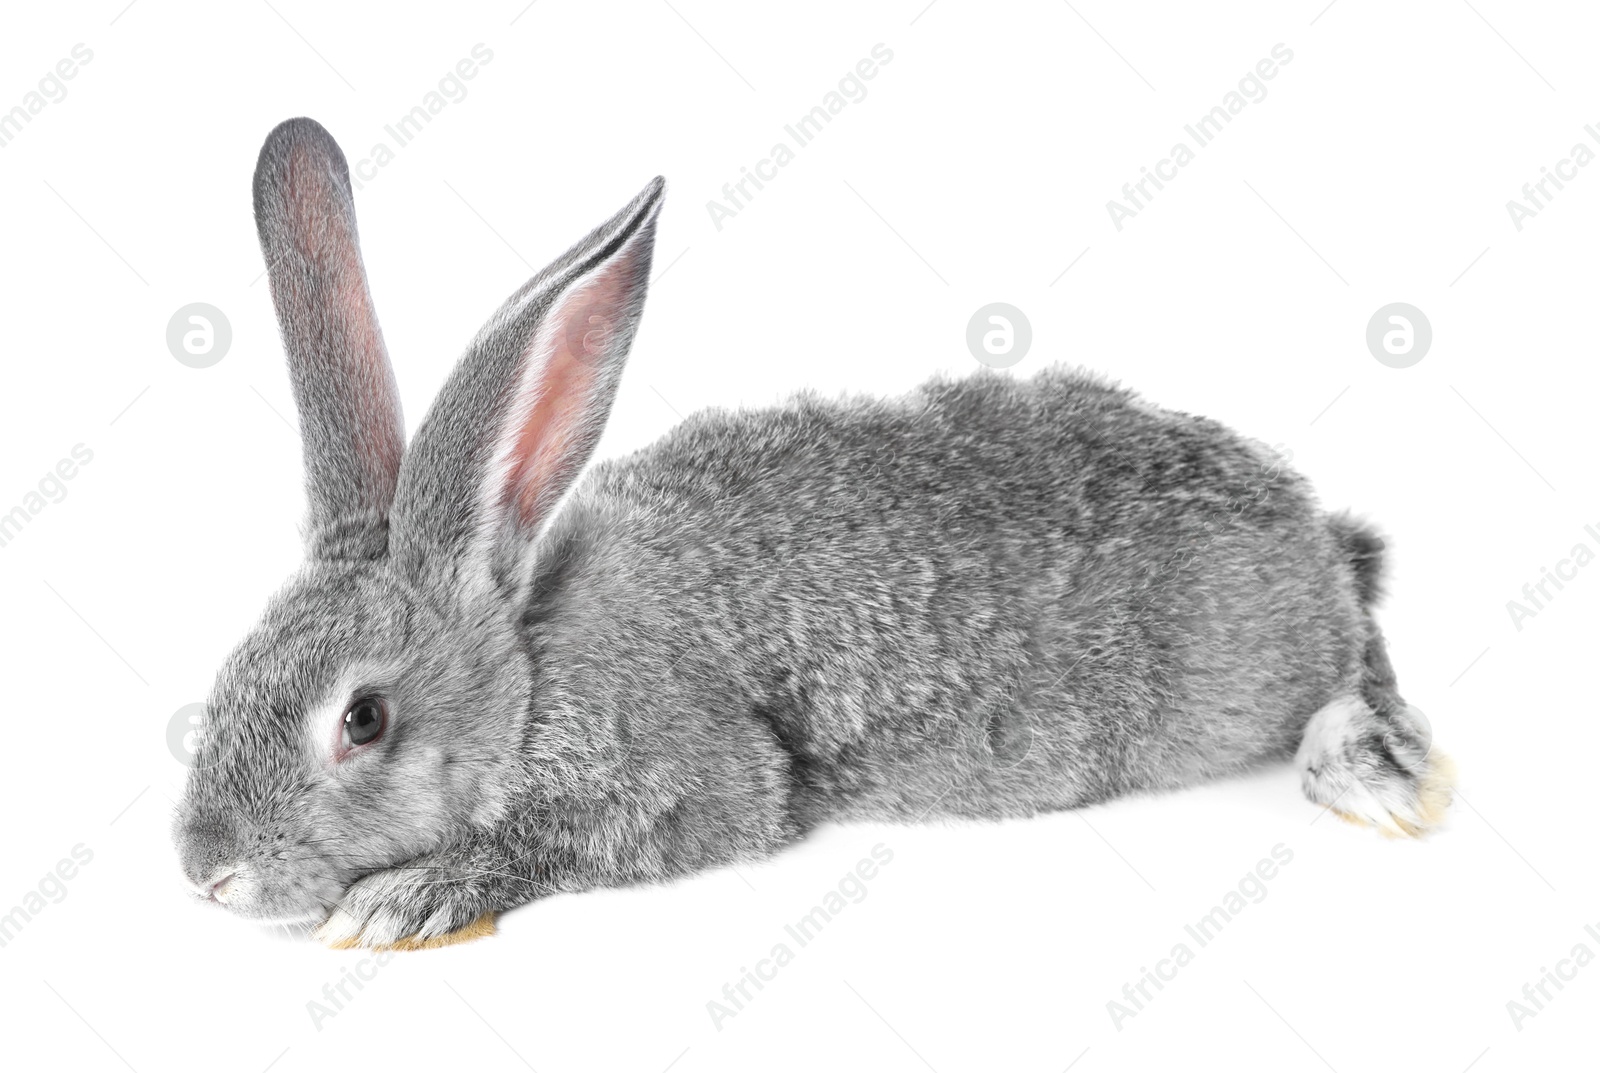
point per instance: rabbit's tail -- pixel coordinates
(1363, 550)
(1368, 755)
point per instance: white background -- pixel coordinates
(977, 169)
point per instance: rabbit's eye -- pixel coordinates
(364, 721)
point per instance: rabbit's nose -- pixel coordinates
(217, 886)
(207, 851)
(219, 889)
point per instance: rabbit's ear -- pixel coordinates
(351, 431)
(522, 411)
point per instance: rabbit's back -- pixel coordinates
(989, 597)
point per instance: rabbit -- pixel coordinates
(499, 675)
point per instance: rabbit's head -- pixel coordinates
(380, 704)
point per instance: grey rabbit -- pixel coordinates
(498, 676)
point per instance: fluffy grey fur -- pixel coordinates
(989, 598)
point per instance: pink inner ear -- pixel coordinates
(323, 234)
(322, 231)
(570, 389)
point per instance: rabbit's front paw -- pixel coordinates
(407, 908)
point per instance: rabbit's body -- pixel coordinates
(992, 597)
(989, 598)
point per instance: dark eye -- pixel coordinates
(364, 721)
